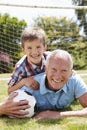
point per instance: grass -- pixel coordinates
(72, 123)
(82, 71)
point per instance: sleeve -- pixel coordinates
(15, 77)
(80, 87)
(18, 73)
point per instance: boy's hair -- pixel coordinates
(31, 34)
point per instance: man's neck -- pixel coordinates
(47, 85)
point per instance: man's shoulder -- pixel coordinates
(75, 79)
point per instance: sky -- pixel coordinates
(29, 14)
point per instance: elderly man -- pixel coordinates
(59, 87)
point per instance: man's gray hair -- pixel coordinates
(59, 53)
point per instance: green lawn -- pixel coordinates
(82, 71)
(73, 123)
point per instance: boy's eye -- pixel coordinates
(38, 46)
(29, 48)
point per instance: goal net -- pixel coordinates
(10, 49)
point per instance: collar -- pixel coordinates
(43, 89)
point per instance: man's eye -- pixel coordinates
(64, 70)
(53, 69)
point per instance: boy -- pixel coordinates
(34, 46)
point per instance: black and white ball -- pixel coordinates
(24, 96)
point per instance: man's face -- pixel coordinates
(58, 72)
(34, 51)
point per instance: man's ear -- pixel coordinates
(73, 72)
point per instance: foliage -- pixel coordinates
(78, 50)
(58, 30)
(60, 33)
(64, 34)
(79, 2)
(10, 32)
(81, 15)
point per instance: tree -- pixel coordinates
(10, 32)
(58, 30)
(81, 14)
(64, 34)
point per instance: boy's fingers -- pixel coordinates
(35, 85)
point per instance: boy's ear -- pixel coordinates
(45, 48)
(23, 50)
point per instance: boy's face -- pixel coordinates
(34, 51)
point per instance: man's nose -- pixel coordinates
(58, 74)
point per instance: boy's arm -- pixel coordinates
(29, 82)
(18, 85)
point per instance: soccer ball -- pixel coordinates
(24, 96)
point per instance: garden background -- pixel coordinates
(66, 30)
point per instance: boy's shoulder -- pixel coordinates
(46, 53)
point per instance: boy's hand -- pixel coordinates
(30, 82)
(34, 85)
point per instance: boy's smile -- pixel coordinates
(34, 51)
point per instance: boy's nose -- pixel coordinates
(34, 51)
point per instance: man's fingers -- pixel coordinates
(21, 105)
(18, 114)
(12, 95)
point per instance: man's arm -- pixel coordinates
(59, 115)
(83, 100)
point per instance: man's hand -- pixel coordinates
(11, 108)
(48, 115)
